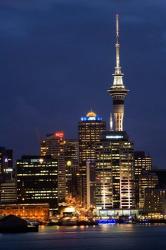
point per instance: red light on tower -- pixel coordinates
(59, 134)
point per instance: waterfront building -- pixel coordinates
(6, 163)
(8, 192)
(54, 146)
(155, 200)
(142, 163)
(37, 180)
(34, 212)
(66, 152)
(146, 180)
(90, 130)
(115, 172)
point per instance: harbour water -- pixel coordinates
(102, 237)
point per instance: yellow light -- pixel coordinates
(69, 163)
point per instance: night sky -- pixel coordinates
(56, 63)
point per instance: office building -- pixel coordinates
(37, 180)
(146, 180)
(6, 163)
(71, 155)
(54, 146)
(115, 172)
(155, 200)
(142, 164)
(8, 192)
(90, 129)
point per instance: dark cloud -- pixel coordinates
(57, 60)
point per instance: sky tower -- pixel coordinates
(118, 91)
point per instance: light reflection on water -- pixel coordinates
(102, 237)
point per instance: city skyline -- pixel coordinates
(41, 78)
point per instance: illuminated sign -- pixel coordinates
(59, 134)
(91, 118)
(114, 136)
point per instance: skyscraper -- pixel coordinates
(115, 172)
(90, 129)
(66, 152)
(72, 166)
(142, 164)
(54, 146)
(115, 155)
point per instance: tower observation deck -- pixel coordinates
(118, 90)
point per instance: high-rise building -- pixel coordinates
(54, 146)
(146, 180)
(142, 164)
(115, 172)
(37, 180)
(72, 166)
(66, 152)
(90, 128)
(155, 200)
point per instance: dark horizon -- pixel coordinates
(57, 59)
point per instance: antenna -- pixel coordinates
(117, 27)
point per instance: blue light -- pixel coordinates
(109, 221)
(91, 118)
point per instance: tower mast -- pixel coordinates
(118, 90)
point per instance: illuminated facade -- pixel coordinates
(115, 172)
(36, 212)
(90, 132)
(118, 90)
(155, 200)
(54, 146)
(66, 152)
(6, 162)
(7, 177)
(142, 164)
(72, 166)
(146, 180)
(8, 191)
(37, 180)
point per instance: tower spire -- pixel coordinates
(117, 46)
(118, 90)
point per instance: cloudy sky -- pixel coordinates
(56, 63)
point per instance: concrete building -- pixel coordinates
(115, 172)
(146, 180)
(90, 131)
(37, 180)
(142, 164)
(54, 146)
